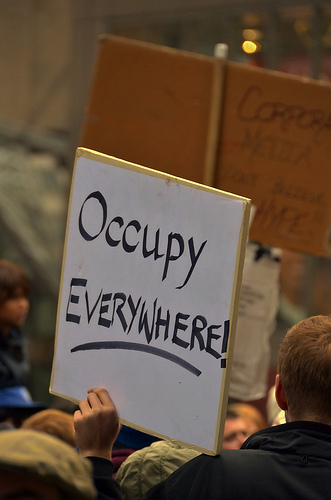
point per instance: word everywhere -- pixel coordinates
(118, 307)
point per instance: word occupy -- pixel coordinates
(121, 310)
(124, 234)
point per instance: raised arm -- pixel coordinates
(96, 428)
(96, 424)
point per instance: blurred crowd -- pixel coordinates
(139, 461)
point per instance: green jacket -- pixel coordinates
(149, 466)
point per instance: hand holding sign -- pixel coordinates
(96, 424)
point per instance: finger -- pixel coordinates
(97, 390)
(103, 395)
(94, 389)
(94, 400)
(77, 415)
(84, 407)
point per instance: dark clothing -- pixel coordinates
(128, 441)
(107, 487)
(285, 462)
(132, 438)
(119, 455)
(14, 366)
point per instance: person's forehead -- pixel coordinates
(234, 424)
(15, 486)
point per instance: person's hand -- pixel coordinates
(96, 424)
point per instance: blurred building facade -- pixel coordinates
(47, 49)
(47, 52)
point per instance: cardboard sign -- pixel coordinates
(149, 296)
(155, 106)
(275, 148)
(260, 134)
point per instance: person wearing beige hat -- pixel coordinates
(37, 466)
(34, 463)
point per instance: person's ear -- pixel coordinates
(279, 394)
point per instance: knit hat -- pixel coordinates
(38, 455)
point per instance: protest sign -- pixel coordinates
(257, 133)
(149, 295)
(155, 106)
(275, 146)
(258, 306)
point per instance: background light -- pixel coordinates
(251, 47)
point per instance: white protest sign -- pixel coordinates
(258, 307)
(149, 295)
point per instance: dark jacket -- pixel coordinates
(106, 486)
(14, 366)
(286, 462)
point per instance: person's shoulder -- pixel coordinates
(151, 465)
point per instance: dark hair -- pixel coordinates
(12, 277)
(304, 367)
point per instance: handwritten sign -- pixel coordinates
(275, 147)
(260, 134)
(149, 295)
(258, 307)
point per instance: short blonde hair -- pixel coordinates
(55, 422)
(249, 413)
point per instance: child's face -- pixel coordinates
(14, 311)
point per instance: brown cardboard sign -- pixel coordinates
(154, 106)
(260, 134)
(275, 148)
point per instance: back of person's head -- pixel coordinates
(48, 460)
(304, 368)
(12, 278)
(55, 422)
